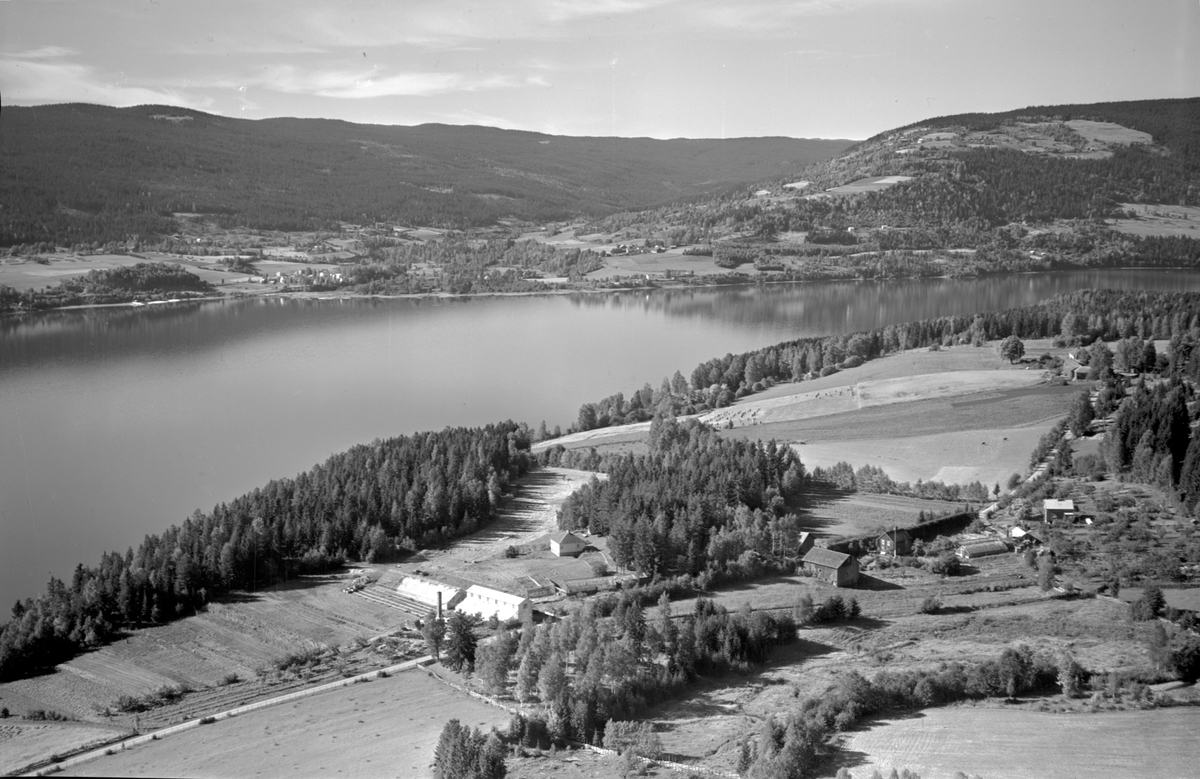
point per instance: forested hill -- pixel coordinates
(1034, 164)
(85, 172)
(1036, 189)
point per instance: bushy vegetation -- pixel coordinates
(794, 744)
(589, 669)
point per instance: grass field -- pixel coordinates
(1020, 744)
(987, 456)
(893, 635)
(234, 637)
(25, 743)
(873, 184)
(834, 513)
(387, 727)
(955, 415)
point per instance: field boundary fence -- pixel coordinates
(171, 730)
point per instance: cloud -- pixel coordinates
(47, 75)
(367, 83)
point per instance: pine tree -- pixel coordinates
(527, 676)
(460, 642)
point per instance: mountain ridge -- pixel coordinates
(64, 166)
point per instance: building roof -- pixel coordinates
(975, 547)
(563, 536)
(1058, 505)
(478, 591)
(826, 557)
(894, 534)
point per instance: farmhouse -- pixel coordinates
(487, 602)
(565, 543)
(981, 549)
(895, 542)
(1057, 509)
(837, 568)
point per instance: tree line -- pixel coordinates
(109, 285)
(1082, 316)
(411, 491)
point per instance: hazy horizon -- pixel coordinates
(612, 68)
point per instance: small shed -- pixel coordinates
(837, 568)
(564, 543)
(807, 540)
(1057, 509)
(895, 542)
(981, 549)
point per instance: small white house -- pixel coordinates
(564, 543)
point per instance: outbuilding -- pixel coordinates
(487, 603)
(837, 568)
(564, 543)
(981, 549)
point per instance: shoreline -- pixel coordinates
(749, 282)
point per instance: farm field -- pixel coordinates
(24, 743)
(23, 274)
(872, 184)
(987, 456)
(672, 259)
(1159, 220)
(995, 605)
(1021, 744)
(838, 514)
(955, 415)
(387, 727)
(235, 637)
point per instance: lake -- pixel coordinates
(117, 422)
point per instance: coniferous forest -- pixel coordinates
(418, 491)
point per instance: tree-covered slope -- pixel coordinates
(79, 172)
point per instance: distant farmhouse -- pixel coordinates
(837, 568)
(564, 543)
(895, 542)
(1057, 509)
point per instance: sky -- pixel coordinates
(655, 68)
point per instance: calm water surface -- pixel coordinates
(115, 423)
